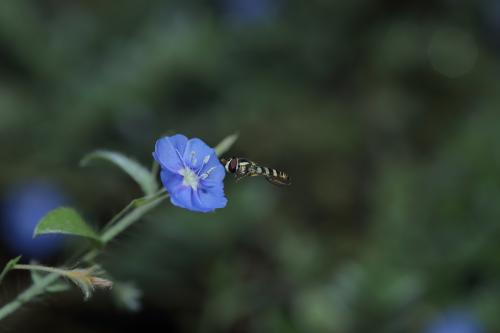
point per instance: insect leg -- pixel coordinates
(241, 176)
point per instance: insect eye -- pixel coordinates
(232, 165)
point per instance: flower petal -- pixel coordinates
(171, 180)
(207, 200)
(169, 151)
(216, 175)
(200, 150)
(180, 195)
(183, 198)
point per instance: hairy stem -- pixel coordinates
(27, 295)
(41, 268)
(138, 208)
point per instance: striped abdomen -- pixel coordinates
(274, 176)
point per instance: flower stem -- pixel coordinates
(41, 268)
(27, 295)
(133, 216)
(139, 208)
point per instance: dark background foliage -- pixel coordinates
(385, 114)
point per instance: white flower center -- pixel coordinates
(190, 178)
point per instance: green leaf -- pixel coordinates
(9, 266)
(141, 175)
(226, 144)
(65, 221)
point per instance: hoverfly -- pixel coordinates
(241, 168)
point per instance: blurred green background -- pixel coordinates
(385, 114)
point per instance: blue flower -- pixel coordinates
(455, 322)
(23, 207)
(250, 11)
(191, 173)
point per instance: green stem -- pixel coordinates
(27, 295)
(41, 268)
(142, 206)
(155, 168)
(133, 204)
(132, 217)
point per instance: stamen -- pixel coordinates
(210, 170)
(205, 161)
(180, 157)
(193, 158)
(206, 174)
(190, 178)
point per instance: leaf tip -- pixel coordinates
(226, 143)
